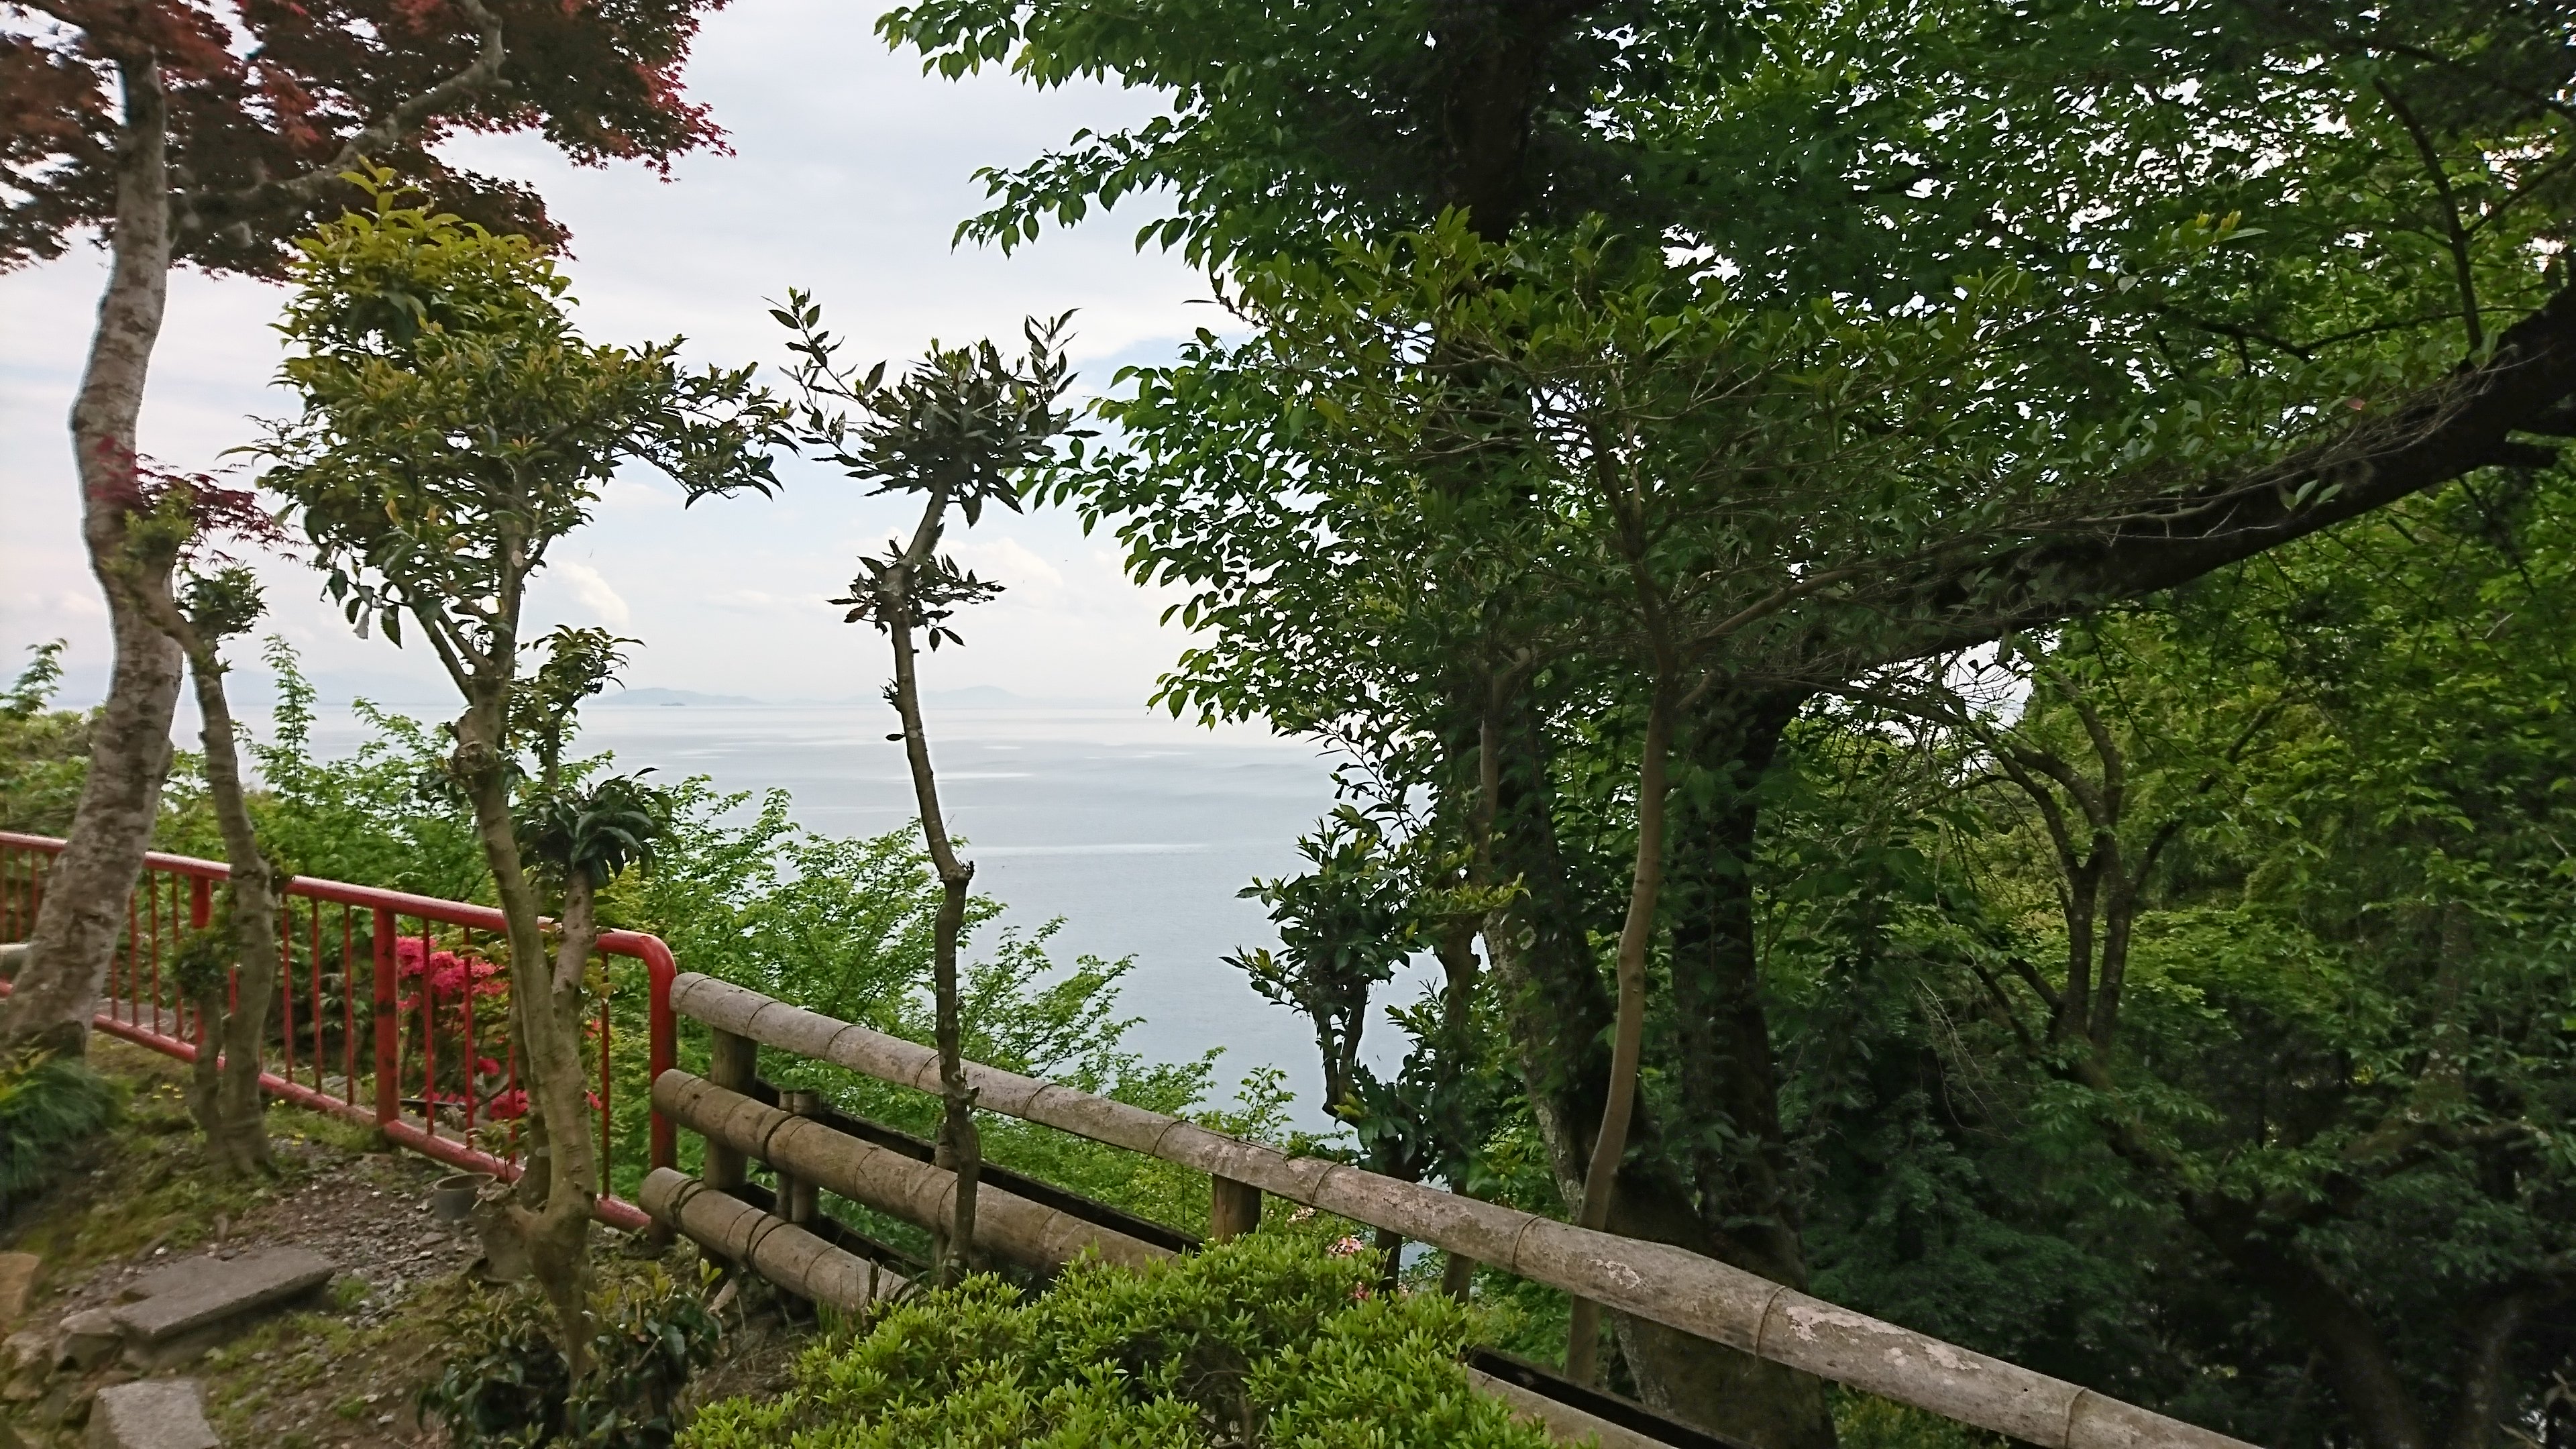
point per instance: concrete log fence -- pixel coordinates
(1656, 1281)
(1026, 1233)
(769, 1245)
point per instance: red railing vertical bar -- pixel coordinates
(607, 1126)
(153, 888)
(286, 985)
(313, 949)
(348, 1004)
(388, 1043)
(133, 933)
(468, 1061)
(521, 1098)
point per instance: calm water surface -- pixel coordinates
(1136, 829)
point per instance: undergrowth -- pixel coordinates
(1274, 1339)
(48, 1104)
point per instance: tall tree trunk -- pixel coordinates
(1725, 1070)
(959, 1148)
(1559, 1016)
(233, 1112)
(551, 1217)
(1628, 1030)
(83, 913)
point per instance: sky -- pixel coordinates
(850, 171)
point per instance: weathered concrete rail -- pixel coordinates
(1656, 1281)
(773, 1247)
(1006, 1226)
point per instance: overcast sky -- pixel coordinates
(850, 172)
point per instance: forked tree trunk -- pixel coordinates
(83, 913)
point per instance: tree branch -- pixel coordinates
(483, 72)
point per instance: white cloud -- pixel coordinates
(850, 189)
(593, 590)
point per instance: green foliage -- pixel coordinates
(1344, 926)
(2344, 1051)
(507, 1386)
(578, 664)
(596, 829)
(455, 426)
(48, 1105)
(1261, 1340)
(384, 815)
(222, 603)
(44, 752)
(843, 927)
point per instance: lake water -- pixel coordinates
(1135, 828)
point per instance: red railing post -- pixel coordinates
(388, 1091)
(201, 903)
(662, 1051)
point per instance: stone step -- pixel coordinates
(177, 1306)
(151, 1414)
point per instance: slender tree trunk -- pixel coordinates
(234, 1113)
(83, 914)
(960, 1149)
(1455, 947)
(1628, 1035)
(1558, 1014)
(551, 1218)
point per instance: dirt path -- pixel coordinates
(340, 1371)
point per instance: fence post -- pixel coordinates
(201, 903)
(732, 1064)
(662, 1050)
(1234, 1208)
(796, 1196)
(388, 1042)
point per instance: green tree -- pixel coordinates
(209, 133)
(2234, 960)
(191, 520)
(455, 428)
(2187, 393)
(957, 430)
(42, 749)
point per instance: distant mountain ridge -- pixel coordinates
(978, 696)
(643, 698)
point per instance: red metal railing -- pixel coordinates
(424, 981)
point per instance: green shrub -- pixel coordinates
(44, 751)
(47, 1104)
(507, 1386)
(1267, 1340)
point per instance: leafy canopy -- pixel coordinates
(455, 426)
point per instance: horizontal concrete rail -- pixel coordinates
(1011, 1227)
(1656, 1281)
(773, 1247)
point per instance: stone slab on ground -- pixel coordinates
(151, 1414)
(89, 1338)
(17, 1284)
(202, 1292)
